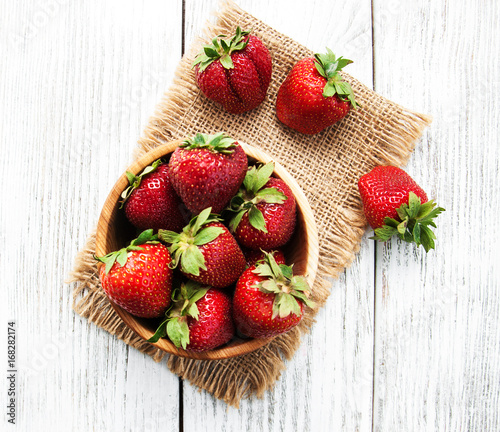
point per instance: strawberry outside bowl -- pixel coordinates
(115, 232)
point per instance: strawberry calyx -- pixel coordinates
(251, 193)
(287, 288)
(175, 324)
(135, 180)
(329, 66)
(413, 224)
(184, 245)
(120, 256)
(217, 143)
(221, 49)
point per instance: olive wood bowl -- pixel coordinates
(115, 232)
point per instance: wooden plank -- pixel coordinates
(328, 384)
(437, 333)
(82, 80)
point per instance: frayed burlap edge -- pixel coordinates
(232, 380)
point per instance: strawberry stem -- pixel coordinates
(217, 143)
(175, 324)
(120, 256)
(184, 245)
(413, 223)
(135, 180)
(329, 66)
(250, 194)
(221, 49)
(287, 288)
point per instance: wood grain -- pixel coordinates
(81, 81)
(437, 334)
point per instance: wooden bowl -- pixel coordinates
(115, 232)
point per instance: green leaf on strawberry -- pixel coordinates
(257, 177)
(250, 194)
(175, 324)
(120, 256)
(413, 224)
(256, 219)
(184, 245)
(191, 259)
(178, 332)
(221, 49)
(287, 288)
(199, 319)
(217, 143)
(270, 196)
(329, 66)
(135, 180)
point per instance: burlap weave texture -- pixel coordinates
(327, 166)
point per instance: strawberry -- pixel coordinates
(263, 211)
(234, 73)
(269, 299)
(200, 318)
(206, 251)
(150, 201)
(394, 204)
(138, 278)
(314, 95)
(207, 171)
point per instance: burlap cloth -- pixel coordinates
(327, 166)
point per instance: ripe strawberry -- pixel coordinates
(394, 204)
(313, 95)
(236, 72)
(150, 201)
(200, 318)
(138, 277)
(264, 210)
(269, 300)
(207, 171)
(206, 251)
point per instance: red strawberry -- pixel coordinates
(236, 72)
(138, 277)
(150, 201)
(269, 300)
(206, 251)
(313, 95)
(253, 256)
(264, 210)
(207, 171)
(199, 320)
(394, 204)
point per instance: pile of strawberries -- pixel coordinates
(221, 272)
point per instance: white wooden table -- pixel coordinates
(407, 341)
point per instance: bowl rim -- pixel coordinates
(233, 349)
